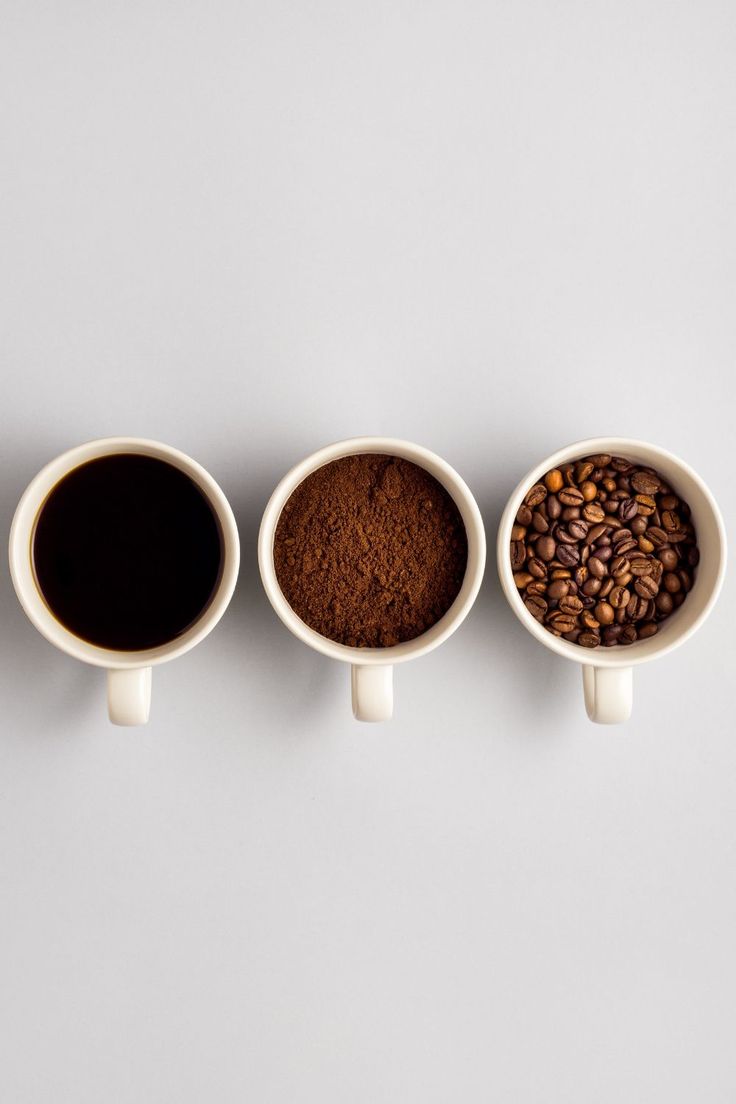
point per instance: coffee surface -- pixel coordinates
(603, 550)
(370, 550)
(127, 552)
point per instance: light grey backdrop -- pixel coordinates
(249, 229)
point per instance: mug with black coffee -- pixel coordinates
(372, 552)
(124, 553)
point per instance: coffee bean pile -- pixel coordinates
(602, 551)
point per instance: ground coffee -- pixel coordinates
(603, 550)
(370, 550)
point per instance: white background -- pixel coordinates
(249, 230)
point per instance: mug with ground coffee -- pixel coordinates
(372, 551)
(615, 550)
(124, 553)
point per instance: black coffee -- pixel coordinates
(127, 552)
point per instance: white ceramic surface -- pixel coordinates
(607, 672)
(129, 673)
(372, 668)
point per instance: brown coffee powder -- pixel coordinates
(370, 550)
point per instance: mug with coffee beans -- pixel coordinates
(372, 551)
(611, 552)
(124, 553)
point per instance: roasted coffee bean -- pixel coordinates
(656, 535)
(670, 520)
(553, 480)
(583, 468)
(518, 554)
(536, 606)
(622, 534)
(647, 505)
(603, 548)
(646, 586)
(637, 608)
(571, 604)
(568, 555)
(554, 507)
(619, 596)
(693, 556)
(546, 548)
(604, 613)
(564, 535)
(664, 602)
(596, 532)
(570, 496)
(628, 508)
(537, 494)
(638, 565)
(645, 483)
(562, 622)
(668, 558)
(672, 583)
(596, 567)
(578, 529)
(606, 587)
(618, 565)
(537, 567)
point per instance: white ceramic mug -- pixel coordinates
(607, 672)
(128, 673)
(372, 668)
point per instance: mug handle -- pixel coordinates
(372, 692)
(129, 695)
(608, 693)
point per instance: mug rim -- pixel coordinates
(629, 655)
(470, 513)
(21, 563)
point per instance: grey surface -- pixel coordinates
(252, 229)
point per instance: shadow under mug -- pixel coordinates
(372, 668)
(128, 672)
(607, 672)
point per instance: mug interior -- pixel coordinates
(21, 554)
(469, 512)
(711, 541)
